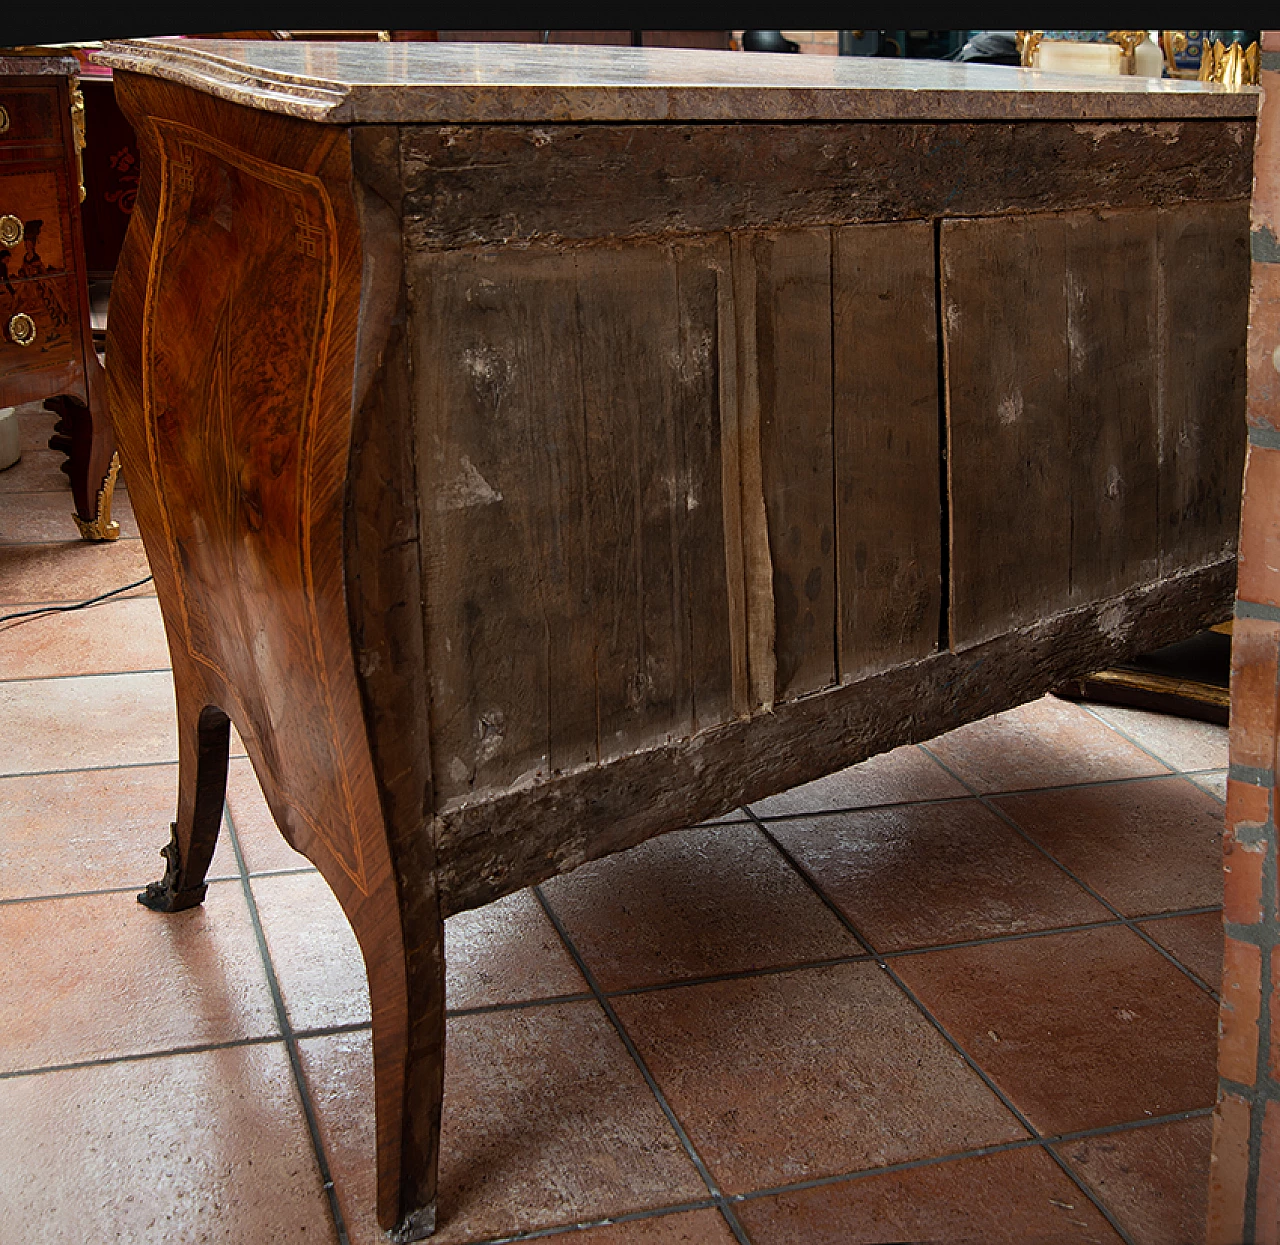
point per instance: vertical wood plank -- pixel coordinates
(1005, 354)
(648, 322)
(702, 271)
(761, 617)
(502, 449)
(888, 488)
(1204, 271)
(628, 321)
(729, 393)
(793, 359)
(1112, 378)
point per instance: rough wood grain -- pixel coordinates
(503, 451)
(496, 846)
(887, 488)
(1112, 329)
(550, 184)
(1204, 283)
(792, 288)
(1008, 426)
(629, 331)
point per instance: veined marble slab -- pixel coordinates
(495, 82)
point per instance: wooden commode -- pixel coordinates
(541, 448)
(46, 341)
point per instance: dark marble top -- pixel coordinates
(484, 82)
(20, 64)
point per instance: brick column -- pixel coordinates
(1244, 1188)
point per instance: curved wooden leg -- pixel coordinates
(404, 963)
(204, 746)
(84, 434)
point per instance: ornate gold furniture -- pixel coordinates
(541, 448)
(46, 341)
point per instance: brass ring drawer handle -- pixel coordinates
(22, 329)
(11, 230)
(4, 119)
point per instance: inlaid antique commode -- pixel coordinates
(46, 340)
(538, 449)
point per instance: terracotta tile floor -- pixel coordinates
(962, 992)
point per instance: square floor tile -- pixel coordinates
(1195, 941)
(794, 1076)
(123, 634)
(546, 1121)
(1046, 743)
(90, 722)
(1215, 783)
(39, 470)
(264, 848)
(691, 1227)
(694, 903)
(918, 875)
(505, 952)
(47, 517)
(1151, 846)
(1154, 1180)
(101, 976)
(313, 951)
(210, 1146)
(1080, 1030)
(895, 777)
(70, 571)
(1181, 743)
(88, 830)
(1015, 1197)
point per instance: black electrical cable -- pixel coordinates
(60, 609)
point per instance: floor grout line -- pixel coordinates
(289, 1037)
(935, 1160)
(86, 674)
(168, 1052)
(945, 1034)
(713, 1187)
(581, 1225)
(971, 793)
(1010, 821)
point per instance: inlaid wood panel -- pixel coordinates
(37, 199)
(50, 303)
(233, 437)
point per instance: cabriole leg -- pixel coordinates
(204, 745)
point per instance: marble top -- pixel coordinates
(491, 82)
(23, 64)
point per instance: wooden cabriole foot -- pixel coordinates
(172, 893)
(416, 1226)
(204, 748)
(85, 435)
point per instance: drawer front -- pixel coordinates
(43, 310)
(32, 114)
(31, 198)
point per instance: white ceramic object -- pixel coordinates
(10, 443)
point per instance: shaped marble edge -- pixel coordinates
(463, 83)
(16, 65)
